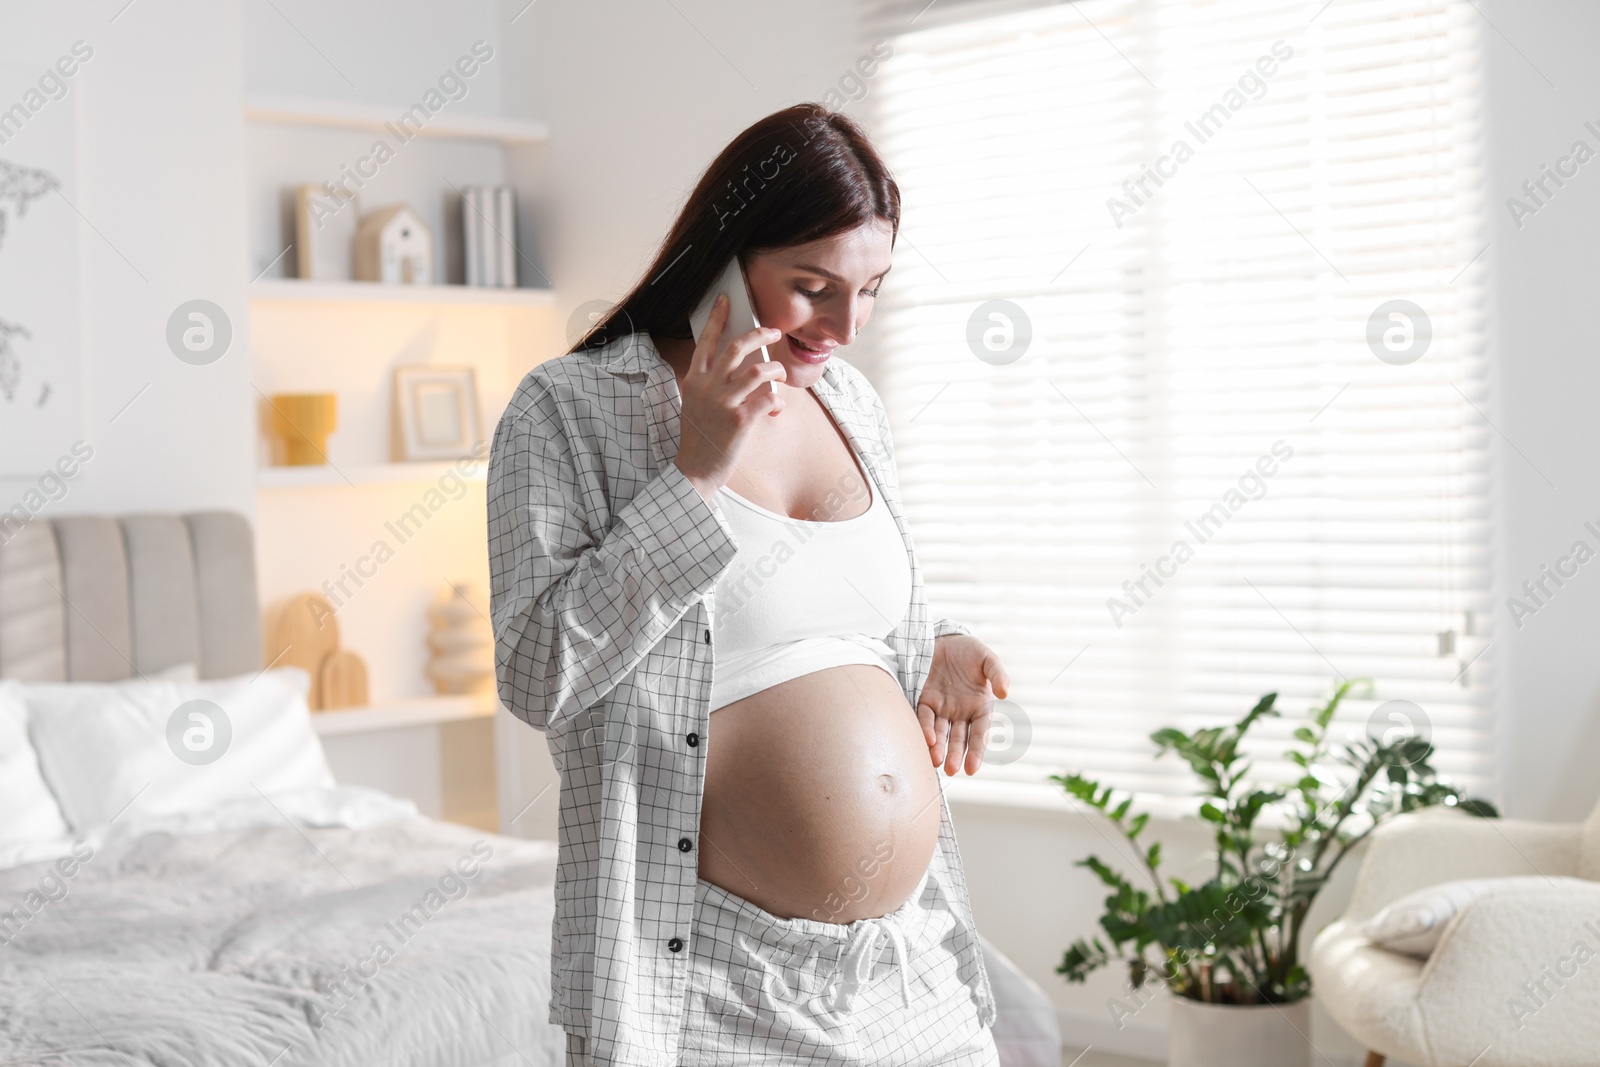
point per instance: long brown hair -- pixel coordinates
(798, 175)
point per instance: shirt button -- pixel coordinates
(676, 944)
(708, 637)
(684, 845)
(693, 739)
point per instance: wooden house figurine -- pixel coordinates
(393, 245)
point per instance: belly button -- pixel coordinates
(886, 782)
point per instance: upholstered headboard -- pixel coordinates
(93, 598)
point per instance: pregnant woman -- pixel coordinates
(705, 595)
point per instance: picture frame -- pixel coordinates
(436, 412)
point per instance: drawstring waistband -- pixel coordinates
(859, 956)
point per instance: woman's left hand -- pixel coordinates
(958, 699)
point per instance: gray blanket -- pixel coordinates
(282, 945)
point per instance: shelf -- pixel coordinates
(398, 714)
(291, 289)
(367, 474)
(297, 111)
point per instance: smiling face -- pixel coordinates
(819, 294)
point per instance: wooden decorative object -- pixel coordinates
(302, 633)
(325, 222)
(462, 642)
(303, 421)
(393, 245)
(343, 681)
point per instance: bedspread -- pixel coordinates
(411, 942)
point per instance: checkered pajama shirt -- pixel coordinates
(603, 565)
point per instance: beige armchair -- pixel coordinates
(1515, 980)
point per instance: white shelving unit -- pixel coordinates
(381, 555)
(398, 714)
(365, 474)
(293, 289)
(297, 111)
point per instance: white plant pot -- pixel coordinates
(1225, 1035)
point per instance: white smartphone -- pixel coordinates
(741, 309)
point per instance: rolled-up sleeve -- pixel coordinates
(573, 612)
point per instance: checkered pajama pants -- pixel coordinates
(883, 991)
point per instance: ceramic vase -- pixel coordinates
(462, 642)
(1227, 1035)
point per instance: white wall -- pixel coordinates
(1546, 276)
(159, 164)
(640, 98)
(368, 51)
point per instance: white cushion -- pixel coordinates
(28, 810)
(178, 672)
(1414, 924)
(102, 746)
(1589, 837)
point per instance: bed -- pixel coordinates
(246, 929)
(249, 910)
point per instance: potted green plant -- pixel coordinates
(1228, 949)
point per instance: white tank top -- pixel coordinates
(801, 596)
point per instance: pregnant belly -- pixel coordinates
(821, 800)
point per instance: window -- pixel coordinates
(1245, 446)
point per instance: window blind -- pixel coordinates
(1245, 448)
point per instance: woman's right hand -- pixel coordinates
(722, 400)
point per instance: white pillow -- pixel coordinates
(28, 810)
(1415, 924)
(178, 672)
(102, 746)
